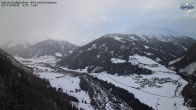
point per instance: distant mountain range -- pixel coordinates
(49, 47)
(46, 47)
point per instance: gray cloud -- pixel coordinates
(80, 21)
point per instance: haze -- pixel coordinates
(81, 21)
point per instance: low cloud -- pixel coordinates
(81, 21)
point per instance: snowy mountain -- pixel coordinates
(21, 90)
(186, 67)
(49, 47)
(112, 52)
(186, 63)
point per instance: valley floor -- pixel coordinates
(163, 93)
(161, 90)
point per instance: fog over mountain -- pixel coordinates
(98, 55)
(80, 22)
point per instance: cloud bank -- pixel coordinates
(81, 21)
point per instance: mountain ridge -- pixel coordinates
(98, 53)
(49, 47)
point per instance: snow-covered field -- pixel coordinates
(66, 82)
(145, 62)
(37, 60)
(161, 90)
(161, 98)
(69, 85)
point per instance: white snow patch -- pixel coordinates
(92, 47)
(191, 68)
(145, 62)
(133, 38)
(70, 51)
(158, 59)
(144, 38)
(98, 56)
(136, 59)
(117, 60)
(133, 43)
(146, 47)
(181, 46)
(148, 53)
(175, 61)
(58, 55)
(118, 38)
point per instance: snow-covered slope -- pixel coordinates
(145, 62)
(106, 51)
(186, 67)
(48, 47)
(190, 69)
(186, 63)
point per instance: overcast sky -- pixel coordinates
(81, 21)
